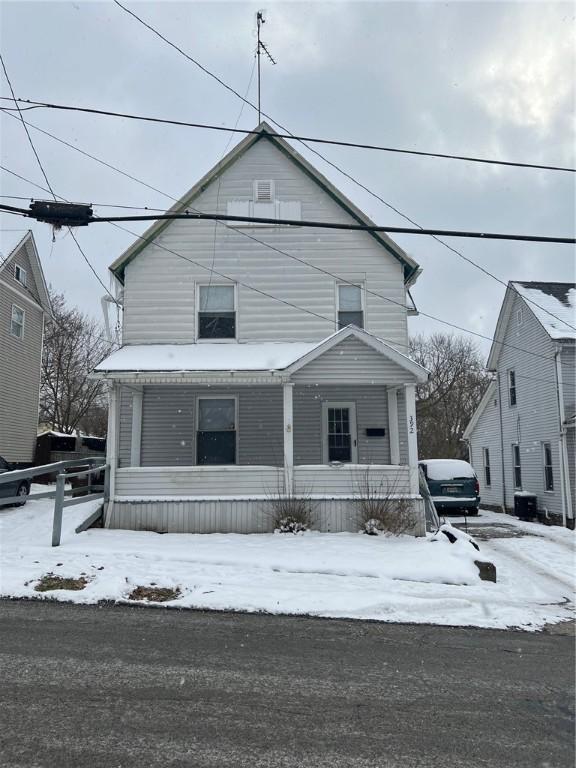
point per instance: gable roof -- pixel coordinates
(266, 356)
(487, 397)
(264, 131)
(541, 298)
(28, 243)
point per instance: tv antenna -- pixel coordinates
(261, 48)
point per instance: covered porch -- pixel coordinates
(201, 451)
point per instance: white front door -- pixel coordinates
(339, 438)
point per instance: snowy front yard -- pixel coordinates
(384, 578)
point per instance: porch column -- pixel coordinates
(288, 388)
(393, 431)
(112, 446)
(136, 441)
(410, 392)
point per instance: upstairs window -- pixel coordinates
(350, 305)
(512, 387)
(487, 477)
(548, 472)
(217, 312)
(516, 467)
(17, 322)
(20, 274)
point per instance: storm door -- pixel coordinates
(339, 432)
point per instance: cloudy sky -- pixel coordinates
(487, 79)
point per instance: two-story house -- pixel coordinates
(24, 306)
(260, 359)
(521, 437)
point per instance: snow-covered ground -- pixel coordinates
(335, 575)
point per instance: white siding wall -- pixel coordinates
(487, 435)
(160, 286)
(535, 417)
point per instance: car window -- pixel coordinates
(4, 466)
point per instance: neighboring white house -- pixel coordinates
(24, 307)
(521, 437)
(260, 360)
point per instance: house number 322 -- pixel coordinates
(411, 425)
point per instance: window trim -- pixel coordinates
(226, 340)
(544, 465)
(236, 427)
(357, 284)
(14, 335)
(487, 465)
(514, 465)
(511, 388)
(22, 270)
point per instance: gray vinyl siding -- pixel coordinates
(487, 435)
(20, 362)
(159, 299)
(168, 423)
(352, 362)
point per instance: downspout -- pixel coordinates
(501, 445)
(563, 448)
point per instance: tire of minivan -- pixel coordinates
(23, 491)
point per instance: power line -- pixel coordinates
(318, 154)
(310, 139)
(96, 205)
(341, 226)
(25, 126)
(296, 258)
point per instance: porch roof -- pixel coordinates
(242, 357)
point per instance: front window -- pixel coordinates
(516, 466)
(548, 473)
(487, 478)
(216, 431)
(17, 322)
(350, 306)
(512, 387)
(217, 312)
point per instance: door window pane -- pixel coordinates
(339, 437)
(216, 414)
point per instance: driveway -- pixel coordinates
(126, 687)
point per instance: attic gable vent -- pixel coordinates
(263, 191)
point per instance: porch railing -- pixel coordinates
(63, 497)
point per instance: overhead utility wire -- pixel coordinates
(326, 272)
(47, 180)
(311, 139)
(320, 155)
(201, 216)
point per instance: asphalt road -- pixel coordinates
(126, 687)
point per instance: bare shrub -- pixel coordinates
(290, 513)
(382, 505)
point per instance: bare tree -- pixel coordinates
(73, 345)
(447, 401)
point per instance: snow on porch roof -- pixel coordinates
(233, 356)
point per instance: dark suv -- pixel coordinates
(19, 488)
(453, 485)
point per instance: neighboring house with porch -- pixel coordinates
(521, 437)
(24, 307)
(260, 360)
